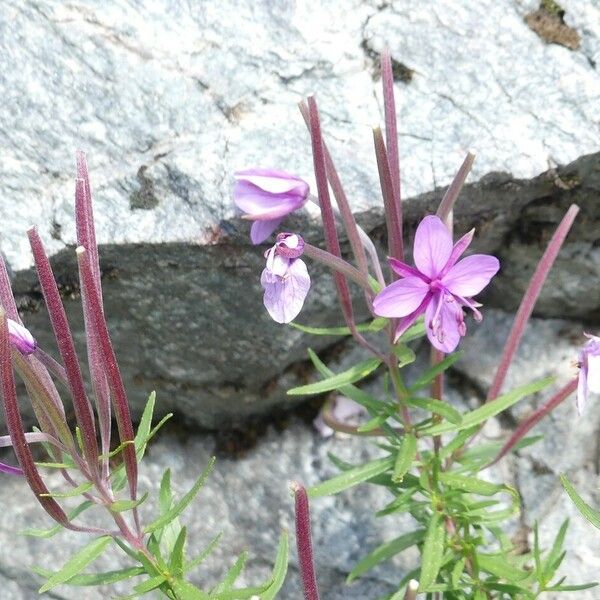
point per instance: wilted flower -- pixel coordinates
(21, 338)
(285, 279)
(439, 287)
(266, 196)
(589, 371)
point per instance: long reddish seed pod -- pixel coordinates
(391, 141)
(331, 238)
(111, 370)
(66, 347)
(393, 217)
(14, 425)
(86, 237)
(530, 298)
(304, 543)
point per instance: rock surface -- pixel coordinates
(170, 98)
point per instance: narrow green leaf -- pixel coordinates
(556, 554)
(426, 378)
(404, 355)
(572, 588)
(438, 407)
(123, 505)
(52, 531)
(593, 516)
(373, 423)
(471, 485)
(406, 456)
(77, 563)
(77, 491)
(187, 591)
(385, 552)
(232, 575)
(457, 572)
(177, 559)
(491, 409)
(204, 554)
(279, 569)
(375, 325)
(91, 579)
(351, 477)
(355, 373)
(498, 565)
(399, 503)
(55, 465)
(350, 390)
(180, 506)
(150, 584)
(165, 496)
(433, 552)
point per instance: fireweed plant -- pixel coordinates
(432, 460)
(99, 481)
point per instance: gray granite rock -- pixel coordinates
(168, 100)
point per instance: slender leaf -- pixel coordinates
(472, 485)
(192, 564)
(491, 409)
(123, 505)
(180, 506)
(438, 407)
(187, 591)
(426, 378)
(77, 562)
(150, 584)
(593, 516)
(279, 569)
(555, 556)
(353, 374)
(385, 552)
(177, 558)
(433, 552)
(77, 491)
(350, 390)
(92, 579)
(406, 456)
(572, 588)
(498, 565)
(351, 477)
(375, 325)
(232, 575)
(52, 531)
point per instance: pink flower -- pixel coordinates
(21, 338)
(285, 279)
(267, 196)
(439, 287)
(589, 371)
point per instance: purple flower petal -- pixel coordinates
(273, 181)
(405, 322)
(21, 338)
(284, 296)
(458, 249)
(432, 247)
(471, 274)
(582, 385)
(589, 371)
(10, 470)
(404, 270)
(444, 322)
(261, 230)
(400, 298)
(258, 204)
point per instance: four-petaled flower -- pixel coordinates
(285, 279)
(439, 287)
(266, 196)
(21, 338)
(589, 371)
